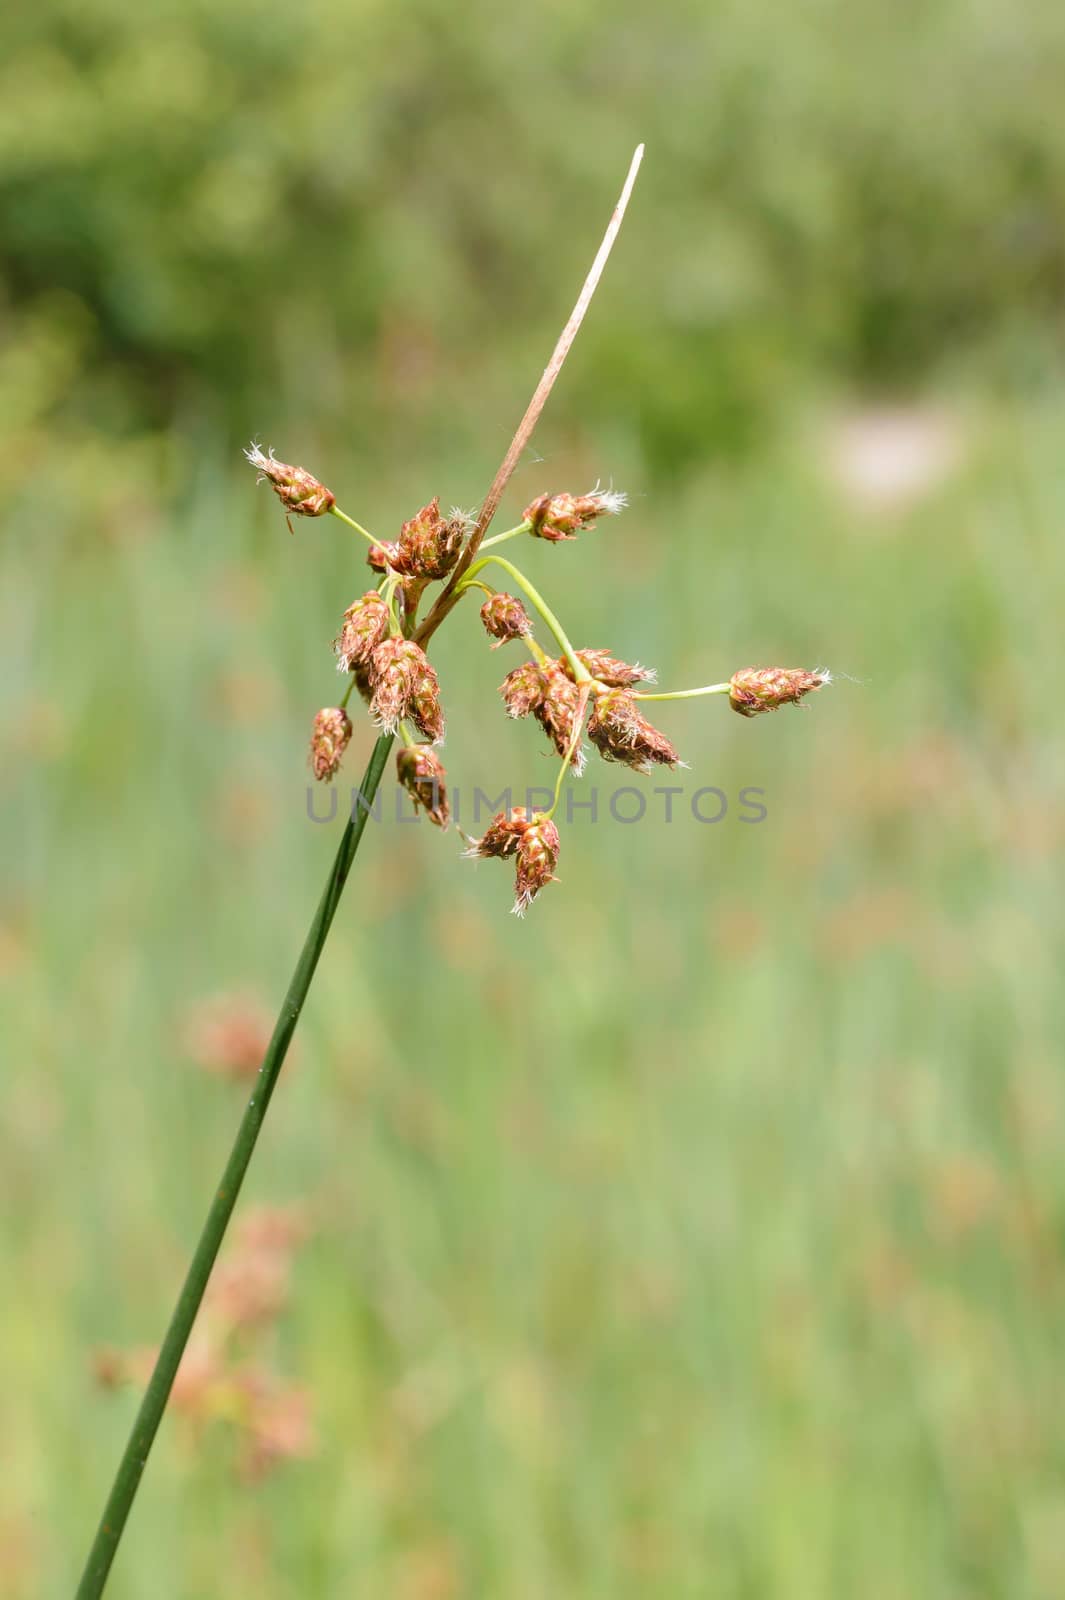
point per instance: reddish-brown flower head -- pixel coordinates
(365, 626)
(501, 836)
(427, 548)
(532, 843)
(620, 733)
(405, 685)
(552, 697)
(537, 857)
(609, 670)
(505, 618)
(563, 516)
(756, 689)
(557, 711)
(429, 544)
(393, 669)
(329, 740)
(421, 772)
(382, 554)
(297, 490)
(426, 712)
(522, 689)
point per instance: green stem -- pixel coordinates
(153, 1405)
(685, 694)
(395, 627)
(509, 533)
(336, 511)
(580, 672)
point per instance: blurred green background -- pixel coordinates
(702, 1235)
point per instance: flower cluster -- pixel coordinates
(403, 685)
(225, 1376)
(297, 490)
(428, 545)
(753, 690)
(365, 626)
(392, 673)
(505, 618)
(531, 842)
(572, 694)
(608, 670)
(421, 772)
(620, 733)
(550, 694)
(563, 516)
(329, 740)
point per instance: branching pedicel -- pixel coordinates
(382, 642)
(579, 691)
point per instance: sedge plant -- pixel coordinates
(435, 563)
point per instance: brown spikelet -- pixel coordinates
(501, 836)
(505, 618)
(298, 491)
(621, 733)
(557, 711)
(382, 555)
(405, 685)
(753, 690)
(429, 544)
(523, 689)
(537, 857)
(562, 516)
(393, 669)
(609, 670)
(329, 740)
(365, 625)
(532, 843)
(426, 711)
(421, 772)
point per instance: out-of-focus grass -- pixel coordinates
(699, 1236)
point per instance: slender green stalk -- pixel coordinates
(508, 533)
(389, 592)
(135, 1455)
(353, 524)
(685, 694)
(146, 1424)
(580, 671)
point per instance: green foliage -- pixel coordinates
(697, 1237)
(256, 215)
